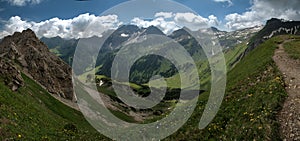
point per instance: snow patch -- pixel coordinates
(124, 35)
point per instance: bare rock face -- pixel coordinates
(11, 75)
(35, 60)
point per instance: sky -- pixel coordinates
(78, 19)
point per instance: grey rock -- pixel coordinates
(33, 58)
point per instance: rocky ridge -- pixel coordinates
(24, 52)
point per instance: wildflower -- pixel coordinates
(19, 136)
(259, 127)
(251, 119)
(249, 95)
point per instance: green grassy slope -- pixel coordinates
(232, 54)
(292, 48)
(32, 114)
(204, 71)
(254, 94)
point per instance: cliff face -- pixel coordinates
(273, 28)
(32, 57)
(11, 75)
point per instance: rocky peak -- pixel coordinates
(34, 59)
(273, 21)
(153, 30)
(273, 28)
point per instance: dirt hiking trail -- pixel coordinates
(289, 116)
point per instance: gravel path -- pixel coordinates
(289, 117)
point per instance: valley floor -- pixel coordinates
(289, 117)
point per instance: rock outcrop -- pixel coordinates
(11, 75)
(273, 28)
(34, 59)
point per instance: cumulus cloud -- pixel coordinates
(191, 20)
(161, 23)
(87, 25)
(213, 20)
(262, 10)
(23, 2)
(164, 14)
(82, 26)
(230, 3)
(169, 22)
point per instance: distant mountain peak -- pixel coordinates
(274, 21)
(153, 30)
(214, 29)
(128, 28)
(180, 34)
(278, 21)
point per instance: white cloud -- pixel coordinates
(87, 25)
(262, 10)
(191, 20)
(164, 14)
(168, 22)
(230, 3)
(23, 2)
(165, 26)
(82, 26)
(213, 20)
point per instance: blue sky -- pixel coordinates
(67, 17)
(66, 9)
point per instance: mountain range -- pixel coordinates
(31, 68)
(128, 34)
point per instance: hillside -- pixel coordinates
(31, 113)
(247, 113)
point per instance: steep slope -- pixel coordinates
(32, 57)
(31, 113)
(254, 95)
